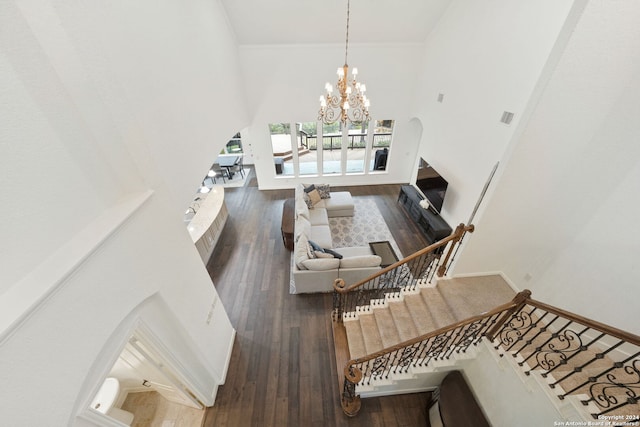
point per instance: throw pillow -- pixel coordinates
(324, 190)
(307, 200)
(309, 188)
(314, 196)
(360, 261)
(333, 253)
(316, 247)
(321, 264)
(319, 254)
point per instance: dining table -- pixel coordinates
(228, 161)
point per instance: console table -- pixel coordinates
(432, 225)
(287, 223)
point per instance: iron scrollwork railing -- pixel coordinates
(404, 275)
(441, 344)
(576, 354)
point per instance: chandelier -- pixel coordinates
(350, 103)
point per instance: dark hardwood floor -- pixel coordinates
(282, 370)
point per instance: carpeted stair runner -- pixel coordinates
(576, 371)
(452, 300)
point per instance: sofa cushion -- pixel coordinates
(301, 251)
(321, 264)
(354, 251)
(317, 216)
(339, 204)
(360, 261)
(302, 226)
(301, 208)
(321, 234)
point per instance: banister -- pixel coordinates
(501, 308)
(339, 285)
(593, 324)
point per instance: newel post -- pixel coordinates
(458, 234)
(350, 400)
(338, 299)
(519, 301)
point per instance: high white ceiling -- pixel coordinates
(324, 21)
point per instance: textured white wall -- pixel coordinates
(486, 58)
(284, 83)
(102, 101)
(561, 219)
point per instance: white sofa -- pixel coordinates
(313, 271)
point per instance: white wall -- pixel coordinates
(561, 220)
(485, 58)
(110, 117)
(503, 395)
(284, 83)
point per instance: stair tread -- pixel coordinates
(403, 320)
(355, 339)
(386, 327)
(440, 311)
(422, 319)
(370, 333)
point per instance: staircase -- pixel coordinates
(401, 317)
(396, 333)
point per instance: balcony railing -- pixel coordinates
(334, 141)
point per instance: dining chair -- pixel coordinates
(239, 166)
(217, 170)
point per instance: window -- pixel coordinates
(281, 146)
(383, 131)
(358, 149)
(332, 148)
(308, 148)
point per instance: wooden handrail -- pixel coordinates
(339, 284)
(502, 308)
(592, 324)
(492, 324)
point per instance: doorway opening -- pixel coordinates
(142, 389)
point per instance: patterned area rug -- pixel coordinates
(366, 225)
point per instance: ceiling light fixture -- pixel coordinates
(350, 104)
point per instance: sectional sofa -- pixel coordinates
(315, 264)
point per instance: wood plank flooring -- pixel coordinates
(282, 370)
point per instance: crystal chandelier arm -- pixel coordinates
(349, 103)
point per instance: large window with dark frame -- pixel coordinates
(313, 148)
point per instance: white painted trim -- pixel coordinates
(380, 393)
(227, 360)
(30, 293)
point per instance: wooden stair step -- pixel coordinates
(403, 320)
(386, 327)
